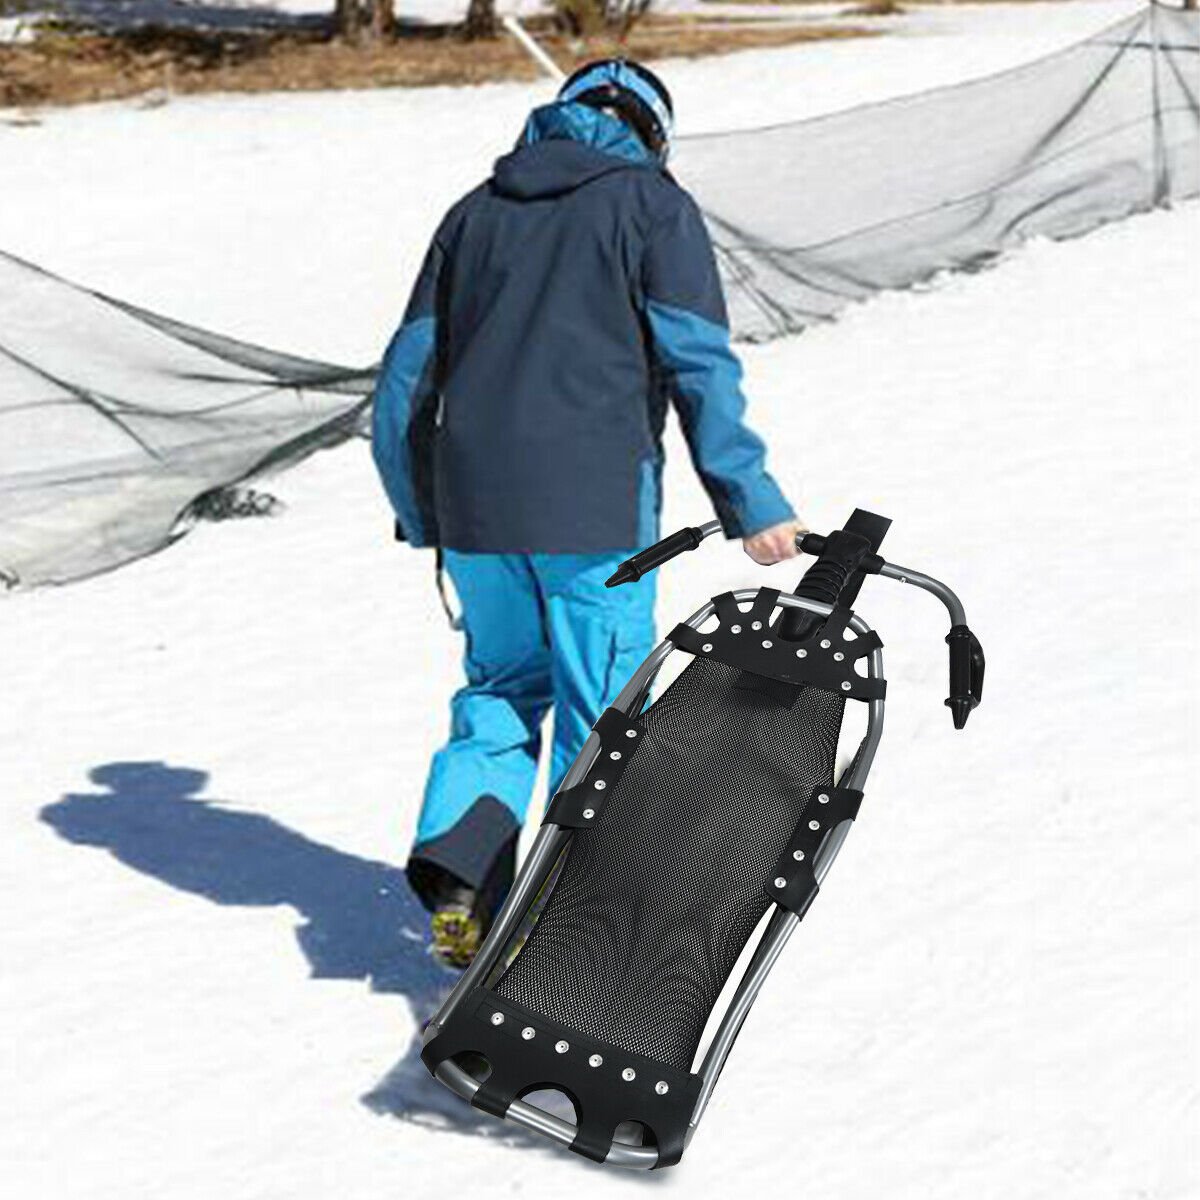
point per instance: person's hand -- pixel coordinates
(775, 544)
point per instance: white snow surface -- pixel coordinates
(211, 983)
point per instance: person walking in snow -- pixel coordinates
(563, 306)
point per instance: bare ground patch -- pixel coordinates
(73, 66)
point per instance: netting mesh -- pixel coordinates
(653, 906)
(113, 420)
(812, 215)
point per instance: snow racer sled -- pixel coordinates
(680, 829)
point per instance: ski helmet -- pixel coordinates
(638, 95)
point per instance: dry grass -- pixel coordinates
(74, 67)
(877, 8)
(772, 3)
(867, 7)
(887, 8)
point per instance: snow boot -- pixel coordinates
(457, 927)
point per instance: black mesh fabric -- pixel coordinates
(654, 904)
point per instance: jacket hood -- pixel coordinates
(564, 146)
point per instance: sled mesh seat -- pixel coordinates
(679, 828)
(653, 905)
(675, 822)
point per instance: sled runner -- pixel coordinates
(680, 829)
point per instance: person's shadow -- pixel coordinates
(359, 919)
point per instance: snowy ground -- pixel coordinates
(211, 965)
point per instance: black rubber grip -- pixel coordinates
(644, 561)
(966, 673)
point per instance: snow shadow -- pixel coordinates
(359, 919)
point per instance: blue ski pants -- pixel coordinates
(542, 632)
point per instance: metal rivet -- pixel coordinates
(755, 624)
(528, 1032)
(615, 755)
(845, 686)
(798, 855)
(562, 1047)
(735, 629)
(838, 656)
(497, 1018)
(814, 824)
(588, 813)
(767, 643)
(801, 653)
(631, 733)
(825, 643)
(599, 785)
(823, 798)
(628, 1074)
(595, 1060)
(706, 647)
(662, 1087)
(780, 882)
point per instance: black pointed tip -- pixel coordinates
(960, 709)
(623, 574)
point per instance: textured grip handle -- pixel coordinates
(822, 581)
(966, 673)
(835, 577)
(632, 569)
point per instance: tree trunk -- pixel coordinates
(383, 18)
(481, 19)
(348, 17)
(364, 20)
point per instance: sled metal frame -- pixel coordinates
(552, 839)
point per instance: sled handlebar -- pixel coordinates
(844, 558)
(967, 660)
(653, 557)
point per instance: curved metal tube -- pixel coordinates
(856, 776)
(642, 1158)
(927, 583)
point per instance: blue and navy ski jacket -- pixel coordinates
(563, 305)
